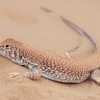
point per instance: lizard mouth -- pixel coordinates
(1, 49)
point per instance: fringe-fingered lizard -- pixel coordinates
(50, 65)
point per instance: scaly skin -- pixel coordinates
(51, 66)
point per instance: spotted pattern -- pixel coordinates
(52, 66)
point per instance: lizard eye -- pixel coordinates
(7, 46)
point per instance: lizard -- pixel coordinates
(49, 65)
(34, 66)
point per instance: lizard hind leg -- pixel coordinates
(95, 75)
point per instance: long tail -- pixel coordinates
(76, 28)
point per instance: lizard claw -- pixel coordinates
(14, 74)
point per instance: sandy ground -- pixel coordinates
(23, 20)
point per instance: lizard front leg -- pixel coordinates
(36, 74)
(31, 75)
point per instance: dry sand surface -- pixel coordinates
(23, 20)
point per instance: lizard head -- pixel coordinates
(9, 48)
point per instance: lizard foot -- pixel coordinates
(67, 52)
(30, 75)
(95, 75)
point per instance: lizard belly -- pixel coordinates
(64, 79)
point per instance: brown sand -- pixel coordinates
(23, 20)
